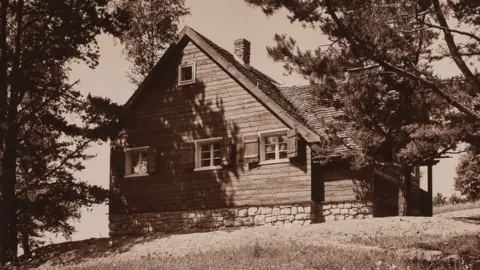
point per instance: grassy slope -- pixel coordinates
(364, 244)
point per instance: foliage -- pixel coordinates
(379, 72)
(439, 199)
(39, 39)
(153, 26)
(467, 180)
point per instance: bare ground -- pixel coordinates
(356, 234)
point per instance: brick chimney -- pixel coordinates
(242, 50)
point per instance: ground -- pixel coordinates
(380, 243)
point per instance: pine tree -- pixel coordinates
(467, 180)
(379, 73)
(38, 40)
(153, 25)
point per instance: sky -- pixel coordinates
(229, 20)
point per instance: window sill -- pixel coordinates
(274, 161)
(207, 168)
(136, 175)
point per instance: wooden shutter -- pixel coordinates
(250, 144)
(292, 143)
(226, 150)
(151, 160)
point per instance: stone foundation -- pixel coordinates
(332, 211)
(210, 219)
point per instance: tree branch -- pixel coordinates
(453, 48)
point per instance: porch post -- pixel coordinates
(430, 191)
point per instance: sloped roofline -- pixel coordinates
(308, 134)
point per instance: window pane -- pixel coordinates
(205, 163)
(282, 147)
(270, 156)
(205, 148)
(283, 155)
(270, 139)
(283, 138)
(216, 146)
(187, 73)
(216, 162)
(216, 154)
(269, 148)
(139, 163)
(205, 155)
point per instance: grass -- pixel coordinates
(455, 207)
(290, 256)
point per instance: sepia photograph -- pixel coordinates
(240, 134)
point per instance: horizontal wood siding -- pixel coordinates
(342, 184)
(170, 118)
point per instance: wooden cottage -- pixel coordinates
(210, 142)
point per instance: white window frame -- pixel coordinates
(198, 153)
(194, 73)
(128, 160)
(262, 136)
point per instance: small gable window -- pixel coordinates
(186, 74)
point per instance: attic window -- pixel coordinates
(186, 74)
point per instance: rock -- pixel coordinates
(291, 218)
(451, 258)
(285, 211)
(265, 210)
(294, 210)
(260, 219)
(302, 216)
(248, 221)
(307, 209)
(335, 211)
(347, 205)
(270, 219)
(343, 211)
(330, 218)
(252, 211)
(297, 222)
(242, 212)
(326, 212)
(353, 211)
(228, 223)
(276, 211)
(300, 209)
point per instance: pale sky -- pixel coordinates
(222, 22)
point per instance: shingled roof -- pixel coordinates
(294, 105)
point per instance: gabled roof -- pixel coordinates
(283, 102)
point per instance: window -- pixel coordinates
(136, 161)
(273, 147)
(208, 154)
(186, 74)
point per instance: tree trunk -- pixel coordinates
(25, 240)
(8, 228)
(404, 191)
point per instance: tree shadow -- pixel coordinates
(169, 118)
(472, 220)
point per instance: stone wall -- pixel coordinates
(332, 211)
(211, 219)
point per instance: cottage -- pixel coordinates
(210, 142)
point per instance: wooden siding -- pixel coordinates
(170, 118)
(337, 183)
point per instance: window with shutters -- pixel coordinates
(273, 147)
(210, 154)
(139, 161)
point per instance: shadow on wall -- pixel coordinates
(168, 118)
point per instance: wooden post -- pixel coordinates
(430, 191)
